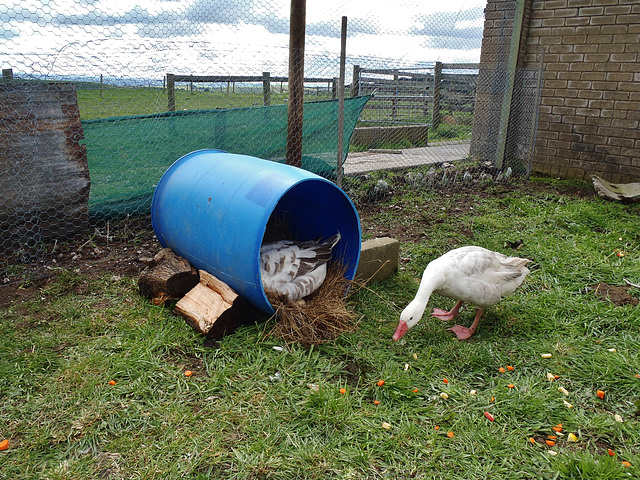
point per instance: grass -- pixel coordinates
(118, 101)
(61, 347)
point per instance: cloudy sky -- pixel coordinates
(149, 38)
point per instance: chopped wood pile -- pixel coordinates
(167, 277)
(214, 309)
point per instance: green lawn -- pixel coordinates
(229, 420)
(115, 101)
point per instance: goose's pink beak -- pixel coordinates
(401, 330)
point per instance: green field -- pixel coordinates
(115, 102)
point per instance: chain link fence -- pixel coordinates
(97, 99)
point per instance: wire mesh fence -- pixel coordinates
(98, 98)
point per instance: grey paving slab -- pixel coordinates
(362, 162)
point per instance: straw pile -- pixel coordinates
(322, 317)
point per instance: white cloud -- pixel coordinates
(51, 37)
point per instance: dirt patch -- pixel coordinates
(111, 248)
(618, 295)
(353, 371)
(187, 362)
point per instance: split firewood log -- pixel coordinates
(167, 277)
(213, 308)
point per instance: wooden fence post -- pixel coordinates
(7, 75)
(436, 116)
(394, 100)
(295, 106)
(171, 92)
(266, 88)
(355, 84)
(425, 103)
(505, 111)
(343, 53)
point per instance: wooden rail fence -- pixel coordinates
(265, 78)
(396, 91)
(402, 92)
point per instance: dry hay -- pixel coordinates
(321, 318)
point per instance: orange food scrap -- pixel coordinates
(445, 380)
(380, 383)
(551, 443)
(415, 390)
(437, 427)
(450, 434)
(376, 402)
(600, 394)
(611, 452)
(552, 437)
(501, 370)
(493, 399)
(511, 385)
(510, 368)
(4, 444)
(637, 375)
(626, 464)
(532, 440)
(557, 428)
(343, 391)
(112, 382)
(188, 373)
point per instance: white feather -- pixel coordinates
(295, 269)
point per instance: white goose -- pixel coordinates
(467, 274)
(295, 269)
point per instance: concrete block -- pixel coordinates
(378, 259)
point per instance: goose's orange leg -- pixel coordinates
(450, 315)
(463, 332)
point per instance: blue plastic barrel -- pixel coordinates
(212, 208)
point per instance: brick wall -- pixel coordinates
(589, 110)
(590, 105)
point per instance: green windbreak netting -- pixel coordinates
(128, 155)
